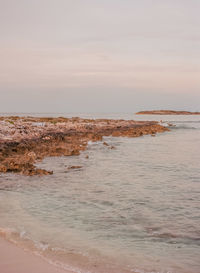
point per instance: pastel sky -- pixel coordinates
(99, 55)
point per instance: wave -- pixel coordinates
(70, 261)
(40, 249)
(183, 127)
(174, 237)
(184, 121)
(170, 235)
(181, 124)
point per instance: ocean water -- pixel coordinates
(135, 208)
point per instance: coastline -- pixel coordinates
(21, 257)
(16, 260)
(26, 140)
(78, 161)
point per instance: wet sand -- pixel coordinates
(16, 260)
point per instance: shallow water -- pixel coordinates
(135, 207)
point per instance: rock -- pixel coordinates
(112, 147)
(74, 167)
(170, 124)
(105, 143)
(25, 140)
(3, 169)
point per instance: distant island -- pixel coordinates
(166, 112)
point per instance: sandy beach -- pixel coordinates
(16, 260)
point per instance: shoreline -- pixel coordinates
(27, 140)
(17, 260)
(19, 246)
(19, 257)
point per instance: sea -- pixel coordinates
(135, 208)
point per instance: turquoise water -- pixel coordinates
(135, 207)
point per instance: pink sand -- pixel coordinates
(16, 260)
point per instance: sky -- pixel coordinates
(99, 55)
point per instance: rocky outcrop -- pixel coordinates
(166, 112)
(26, 140)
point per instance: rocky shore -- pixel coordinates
(25, 140)
(166, 112)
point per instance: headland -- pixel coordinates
(26, 140)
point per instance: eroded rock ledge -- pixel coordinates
(25, 140)
(166, 112)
